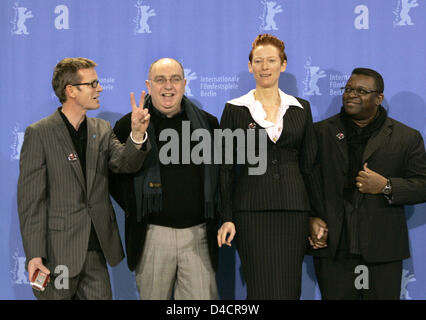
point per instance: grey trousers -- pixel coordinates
(176, 259)
(92, 283)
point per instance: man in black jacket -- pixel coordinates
(170, 207)
(372, 166)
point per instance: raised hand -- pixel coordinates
(140, 117)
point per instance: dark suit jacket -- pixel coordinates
(292, 180)
(397, 152)
(56, 205)
(122, 190)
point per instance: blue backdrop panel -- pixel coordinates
(324, 41)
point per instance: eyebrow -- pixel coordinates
(358, 87)
(173, 75)
(257, 57)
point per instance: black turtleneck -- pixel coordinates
(182, 184)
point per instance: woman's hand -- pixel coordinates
(225, 229)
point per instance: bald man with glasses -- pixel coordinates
(171, 208)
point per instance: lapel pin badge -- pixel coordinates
(252, 125)
(340, 136)
(94, 136)
(154, 185)
(72, 157)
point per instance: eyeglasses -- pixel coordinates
(175, 80)
(358, 91)
(93, 84)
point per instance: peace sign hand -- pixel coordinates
(140, 117)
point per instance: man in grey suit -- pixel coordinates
(68, 224)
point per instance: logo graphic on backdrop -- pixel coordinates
(406, 278)
(18, 139)
(144, 13)
(21, 15)
(18, 273)
(270, 9)
(313, 74)
(403, 7)
(189, 76)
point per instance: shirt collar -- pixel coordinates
(249, 101)
(82, 126)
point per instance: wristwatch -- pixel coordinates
(387, 190)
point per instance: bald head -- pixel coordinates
(166, 85)
(165, 62)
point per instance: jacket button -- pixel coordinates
(275, 161)
(276, 176)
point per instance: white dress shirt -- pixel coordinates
(259, 115)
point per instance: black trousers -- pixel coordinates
(271, 246)
(338, 281)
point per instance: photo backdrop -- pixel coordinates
(324, 41)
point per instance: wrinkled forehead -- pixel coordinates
(165, 68)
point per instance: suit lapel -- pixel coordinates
(92, 152)
(338, 134)
(375, 142)
(293, 117)
(65, 141)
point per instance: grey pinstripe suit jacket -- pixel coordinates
(56, 206)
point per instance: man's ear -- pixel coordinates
(380, 98)
(148, 86)
(70, 91)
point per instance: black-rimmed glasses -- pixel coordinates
(93, 84)
(175, 80)
(358, 91)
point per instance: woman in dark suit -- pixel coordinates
(270, 212)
